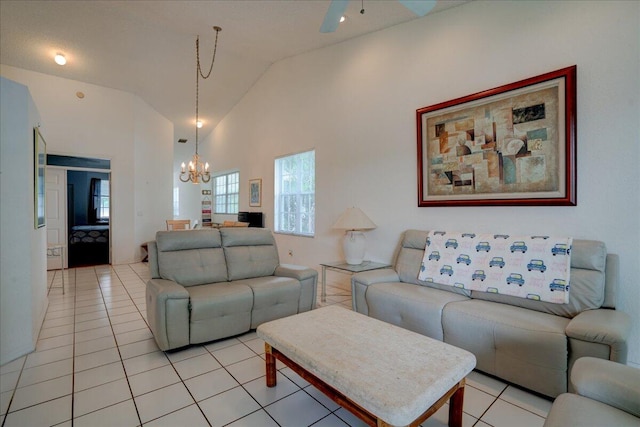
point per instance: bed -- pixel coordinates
(88, 245)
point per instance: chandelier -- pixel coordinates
(198, 171)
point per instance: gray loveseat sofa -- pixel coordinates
(530, 343)
(211, 284)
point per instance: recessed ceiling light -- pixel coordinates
(60, 59)
(199, 124)
(343, 18)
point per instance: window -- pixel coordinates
(103, 207)
(226, 188)
(295, 188)
(98, 201)
(176, 202)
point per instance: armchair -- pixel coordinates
(606, 394)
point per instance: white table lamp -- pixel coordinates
(354, 221)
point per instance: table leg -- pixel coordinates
(324, 284)
(270, 362)
(455, 406)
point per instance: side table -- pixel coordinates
(145, 248)
(343, 267)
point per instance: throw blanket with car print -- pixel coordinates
(534, 267)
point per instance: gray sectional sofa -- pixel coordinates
(530, 343)
(211, 284)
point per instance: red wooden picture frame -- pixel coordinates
(514, 145)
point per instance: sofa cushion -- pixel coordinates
(516, 344)
(587, 283)
(242, 236)
(219, 310)
(409, 260)
(273, 297)
(249, 252)
(416, 308)
(187, 239)
(192, 257)
(574, 410)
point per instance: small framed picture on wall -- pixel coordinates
(255, 192)
(39, 165)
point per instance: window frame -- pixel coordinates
(102, 198)
(227, 193)
(299, 194)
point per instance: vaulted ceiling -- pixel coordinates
(148, 47)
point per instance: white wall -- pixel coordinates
(115, 125)
(153, 168)
(23, 281)
(355, 104)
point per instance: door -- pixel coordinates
(56, 204)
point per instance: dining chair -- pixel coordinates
(178, 224)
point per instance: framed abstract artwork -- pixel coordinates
(255, 192)
(507, 146)
(39, 165)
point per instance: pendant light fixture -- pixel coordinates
(198, 171)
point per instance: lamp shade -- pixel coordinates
(354, 219)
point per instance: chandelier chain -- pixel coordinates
(199, 74)
(215, 48)
(197, 95)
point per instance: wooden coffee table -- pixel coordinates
(383, 374)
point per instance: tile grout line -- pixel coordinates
(300, 389)
(13, 393)
(73, 350)
(108, 382)
(73, 347)
(517, 405)
(170, 362)
(496, 398)
(23, 368)
(262, 408)
(111, 269)
(239, 385)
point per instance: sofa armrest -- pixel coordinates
(308, 278)
(603, 326)
(168, 313)
(608, 382)
(376, 276)
(361, 281)
(152, 254)
(296, 272)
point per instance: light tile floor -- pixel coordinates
(96, 364)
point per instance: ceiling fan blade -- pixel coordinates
(419, 7)
(334, 13)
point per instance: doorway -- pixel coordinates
(88, 217)
(78, 209)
